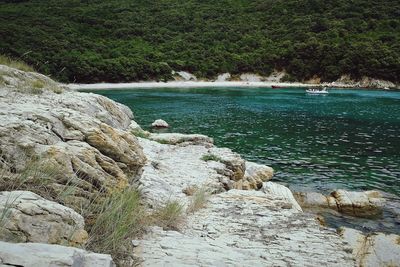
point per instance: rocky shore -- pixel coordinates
(243, 219)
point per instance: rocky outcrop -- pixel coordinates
(83, 135)
(184, 75)
(250, 77)
(276, 76)
(371, 250)
(359, 204)
(173, 168)
(364, 82)
(245, 228)
(160, 124)
(236, 227)
(233, 162)
(223, 77)
(44, 255)
(256, 174)
(28, 217)
(177, 138)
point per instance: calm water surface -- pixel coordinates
(347, 139)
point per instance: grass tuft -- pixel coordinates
(117, 220)
(170, 216)
(198, 200)
(14, 63)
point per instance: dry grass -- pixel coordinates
(37, 177)
(14, 63)
(112, 220)
(198, 200)
(117, 220)
(170, 216)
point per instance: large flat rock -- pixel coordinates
(246, 228)
(45, 255)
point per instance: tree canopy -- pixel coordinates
(130, 40)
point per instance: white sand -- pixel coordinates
(181, 84)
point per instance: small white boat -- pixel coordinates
(317, 91)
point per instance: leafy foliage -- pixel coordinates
(121, 40)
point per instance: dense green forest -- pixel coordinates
(128, 40)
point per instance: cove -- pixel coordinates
(347, 139)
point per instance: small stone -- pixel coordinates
(160, 124)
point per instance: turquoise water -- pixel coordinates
(348, 139)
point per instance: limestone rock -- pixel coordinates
(83, 134)
(223, 77)
(31, 218)
(160, 124)
(377, 249)
(185, 76)
(45, 255)
(177, 138)
(171, 169)
(361, 204)
(276, 76)
(250, 77)
(136, 130)
(232, 160)
(258, 171)
(312, 200)
(245, 228)
(282, 192)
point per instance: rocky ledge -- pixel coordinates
(244, 220)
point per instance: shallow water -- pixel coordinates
(348, 139)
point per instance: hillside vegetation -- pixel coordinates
(124, 40)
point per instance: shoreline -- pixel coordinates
(183, 84)
(201, 84)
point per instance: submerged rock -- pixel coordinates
(160, 124)
(45, 255)
(359, 204)
(371, 250)
(31, 218)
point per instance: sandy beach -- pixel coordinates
(183, 84)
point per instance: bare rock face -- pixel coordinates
(256, 174)
(86, 136)
(45, 255)
(232, 160)
(359, 204)
(246, 228)
(223, 77)
(31, 218)
(377, 249)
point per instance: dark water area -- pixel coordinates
(347, 139)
